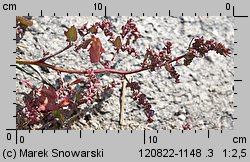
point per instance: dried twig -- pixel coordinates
(122, 101)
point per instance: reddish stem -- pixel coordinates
(70, 71)
(58, 52)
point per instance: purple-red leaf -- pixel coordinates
(47, 98)
(95, 50)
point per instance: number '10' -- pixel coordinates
(98, 6)
(152, 139)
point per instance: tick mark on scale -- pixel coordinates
(41, 14)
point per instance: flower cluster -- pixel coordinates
(200, 47)
(141, 99)
(130, 30)
(155, 60)
(90, 91)
(203, 46)
(104, 26)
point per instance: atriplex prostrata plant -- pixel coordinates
(48, 102)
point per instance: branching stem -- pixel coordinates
(70, 71)
(57, 53)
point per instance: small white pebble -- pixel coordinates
(182, 117)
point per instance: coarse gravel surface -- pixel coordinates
(203, 99)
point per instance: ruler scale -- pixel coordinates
(125, 145)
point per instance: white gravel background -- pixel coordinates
(203, 99)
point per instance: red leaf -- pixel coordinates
(43, 104)
(95, 50)
(47, 98)
(50, 92)
(65, 102)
